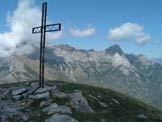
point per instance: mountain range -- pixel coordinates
(157, 60)
(134, 75)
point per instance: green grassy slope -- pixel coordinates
(120, 108)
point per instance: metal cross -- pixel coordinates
(43, 29)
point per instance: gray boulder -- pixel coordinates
(79, 102)
(54, 108)
(60, 118)
(59, 94)
(32, 90)
(44, 96)
(19, 91)
(43, 90)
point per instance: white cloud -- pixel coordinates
(20, 23)
(129, 31)
(82, 33)
(55, 35)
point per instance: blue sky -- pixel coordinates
(101, 16)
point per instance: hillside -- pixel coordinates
(69, 102)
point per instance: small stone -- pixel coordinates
(103, 104)
(103, 120)
(19, 91)
(25, 118)
(141, 118)
(60, 118)
(93, 97)
(117, 102)
(99, 96)
(44, 103)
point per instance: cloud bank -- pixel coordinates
(19, 39)
(82, 33)
(129, 31)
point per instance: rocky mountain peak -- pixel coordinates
(66, 47)
(112, 50)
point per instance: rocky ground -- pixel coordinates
(65, 102)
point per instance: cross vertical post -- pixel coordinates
(43, 36)
(43, 29)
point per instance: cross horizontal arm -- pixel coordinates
(53, 27)
(48, 28)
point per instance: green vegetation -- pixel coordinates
(120, 108)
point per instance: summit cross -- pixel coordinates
(43, 29)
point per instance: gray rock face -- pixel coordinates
(54, 108)
(60, 118)
(79, 102)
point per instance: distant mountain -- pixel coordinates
(135, 75)
(157, 60)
